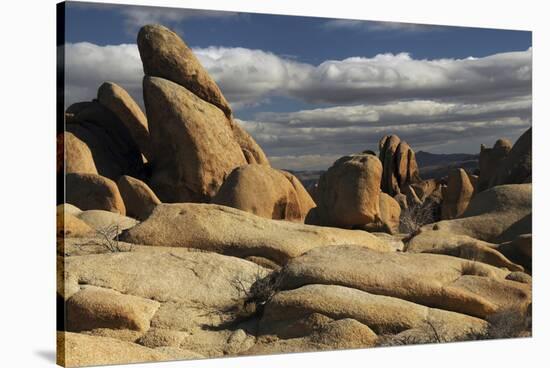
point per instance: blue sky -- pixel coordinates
(313, 89)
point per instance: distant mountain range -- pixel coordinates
(431, 165)
(437, 165)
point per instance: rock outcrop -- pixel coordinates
(288, 312)
(489, 160)
(193, 144)
(230, 231)
(516, 167)
(161, 295)
(348, 193)
(138, 198)
(399, 165)
(496, 215)
(120, 103)
(93, 192)
(506, 164)
(282, 196)
(457, 194)
(110, 142)
(438, 281)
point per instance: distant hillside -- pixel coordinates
(424, 158)
(437, 165)
(431, 165)
(307, 177)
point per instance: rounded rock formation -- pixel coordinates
(93, 192)
(138, 198)
(282, 195)
(348, 193)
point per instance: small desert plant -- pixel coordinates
(262, 289)
(416, 216)
(108, 238)
(469, 268)
(511, 322)
(429, 335)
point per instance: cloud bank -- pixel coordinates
(434, 104)
(248, 76)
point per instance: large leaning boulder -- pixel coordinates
(165, 55)
(193, 144)
(282, 195)
(348, 193)
(116, 99)
(230, 231)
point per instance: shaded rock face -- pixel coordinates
(399, 165)
(390, 211)
(165, 55)
(230, 231)
(423, 189)
(457, 194)
(120, 103)
(519, 250)
(113, 150)
(93, 192)
(348, 193)
(193, 144)
(282, 195)
(516, 167)
(489, 160)
(506, 164)
(138, 198)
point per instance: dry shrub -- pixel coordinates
(108, 238)
(416, 216)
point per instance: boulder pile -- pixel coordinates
(176, 239)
